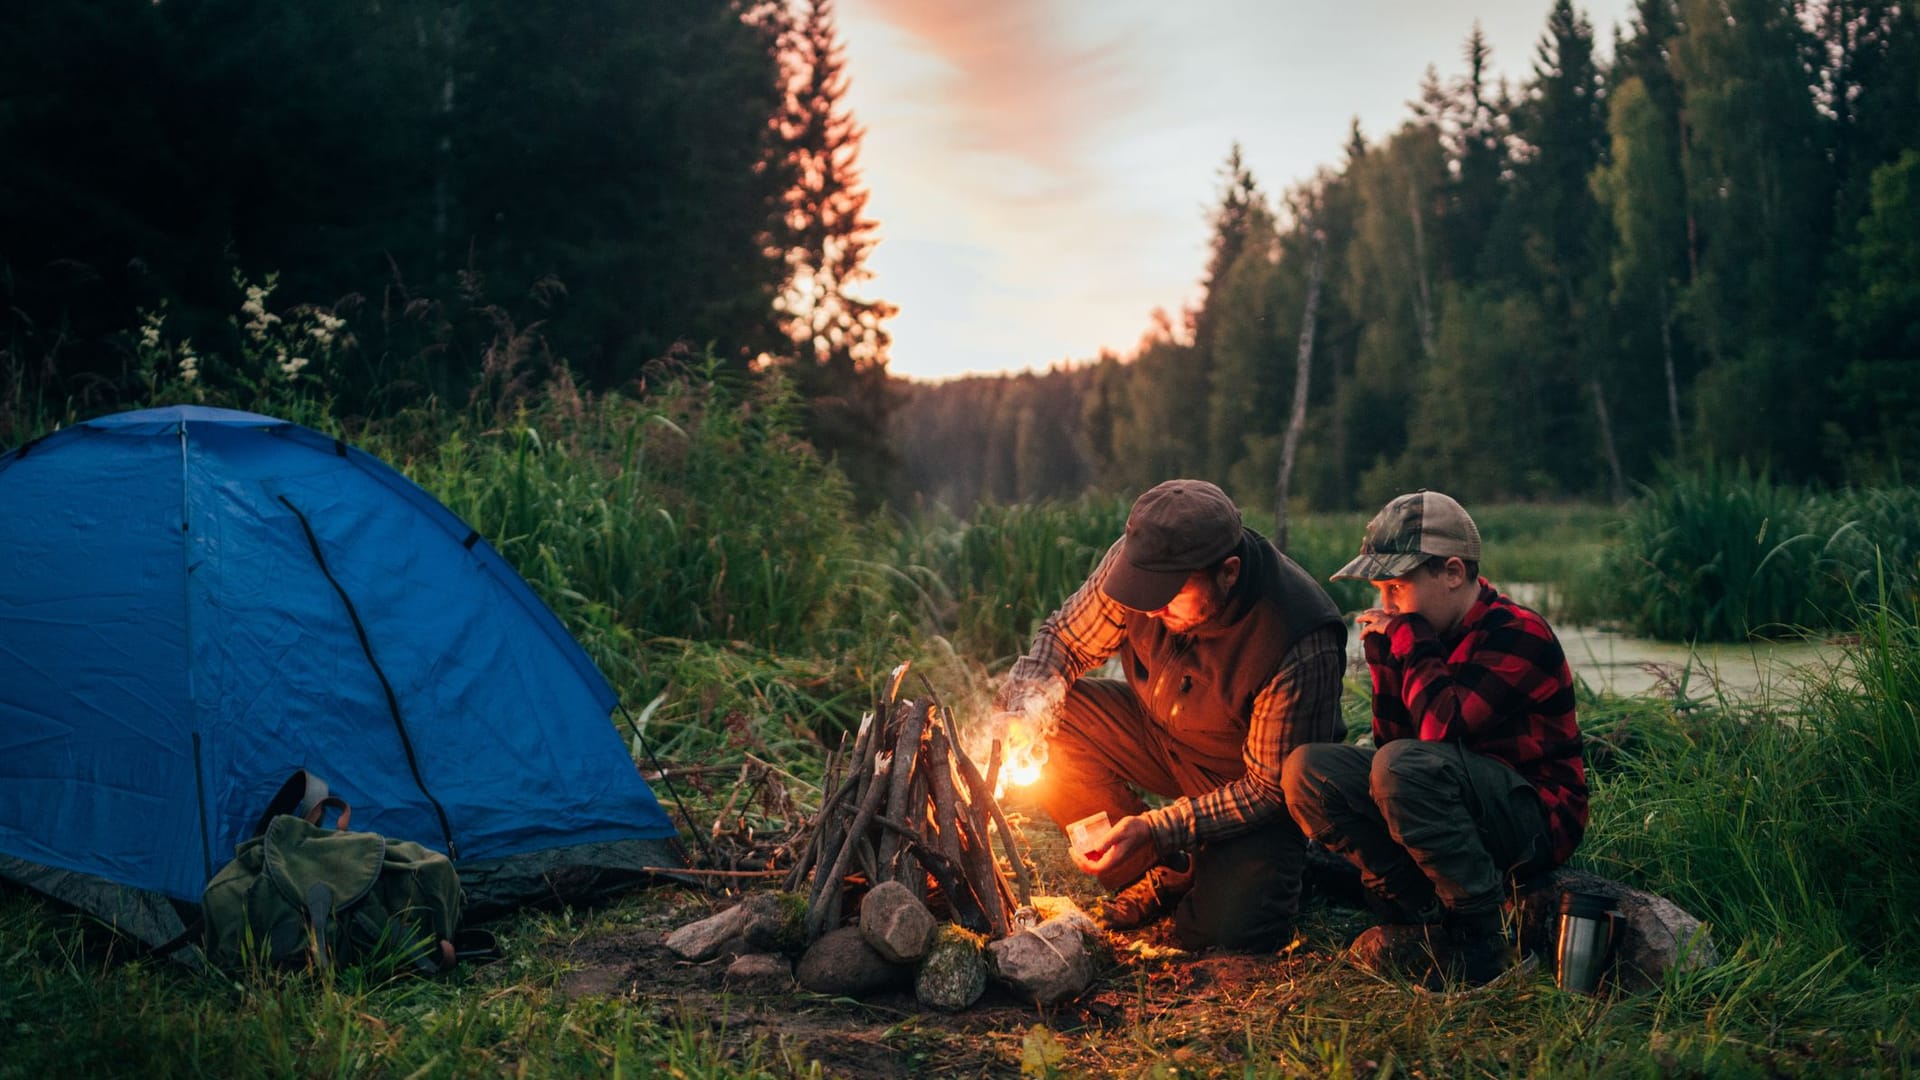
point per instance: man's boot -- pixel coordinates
(1147, 899)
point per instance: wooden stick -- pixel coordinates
(906, 752)
(984, 792)
(993, 769)
(671, 870)
(920, 813)
(809, 853)
(985, 874)
(967, 910)
(816, 911)
(967, 903)
(946, 803)
(732, 796)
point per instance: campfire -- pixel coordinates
(908, 805)
(898, 876)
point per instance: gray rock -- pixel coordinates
(1049, 963)
(954, 973)
(1656, 935)
(842, 963)
(755, 924)
(896, 923)
(760, 971)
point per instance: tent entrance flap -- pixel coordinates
(386, 687)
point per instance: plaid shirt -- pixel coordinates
(1501, 688)
(1300, 703)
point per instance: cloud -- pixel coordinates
(1022, 84)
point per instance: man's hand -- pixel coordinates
(1129, 836)
(1029, 698)
(1372, 621)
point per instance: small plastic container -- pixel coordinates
(1084, 835)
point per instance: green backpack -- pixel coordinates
(299, 894)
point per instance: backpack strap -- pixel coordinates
(318, 913)
(300, 796)
(334, 802)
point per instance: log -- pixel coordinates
(983, 796)
(827, 888)
(945, 875)
(906, 751)
(946, 813)
(993, 768)
(960, 819)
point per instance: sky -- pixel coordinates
(1042, 171)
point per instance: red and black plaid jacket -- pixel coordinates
(1500, 687)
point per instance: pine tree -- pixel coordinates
(1642, 190)
(1762, 193)
(1561, 126)
(839, 338)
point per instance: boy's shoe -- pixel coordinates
(1467, 950)
(1146, 900)
(1478, 951)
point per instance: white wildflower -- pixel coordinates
(292, 365)
(189, 363)
(326, 327)
(150, 333)
(259, 319)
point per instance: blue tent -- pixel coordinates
(198, 602)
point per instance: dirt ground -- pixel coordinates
(1144, 985)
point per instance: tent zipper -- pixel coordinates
(393, 702)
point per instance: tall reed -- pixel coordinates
(988, 581)
(1721, 554)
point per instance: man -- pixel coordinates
(1231, 656)
(1475, 776)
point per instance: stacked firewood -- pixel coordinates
(907, 804)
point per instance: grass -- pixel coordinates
(720, 577)
(1721, 554)
(69, 1012)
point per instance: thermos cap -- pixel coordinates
(1585, 905)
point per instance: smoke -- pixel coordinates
(1023, 723)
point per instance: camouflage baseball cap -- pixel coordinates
(1174, 529)
(1410, 530)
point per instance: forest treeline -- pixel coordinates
(1706, 247)
(482, 191)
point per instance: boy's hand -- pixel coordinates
(1390, 636)
(1375, 624)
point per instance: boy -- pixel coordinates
(1475, 778)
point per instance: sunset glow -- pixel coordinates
(1042, 170)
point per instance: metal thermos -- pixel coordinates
(1587, 932)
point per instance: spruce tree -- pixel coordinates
(839, 339)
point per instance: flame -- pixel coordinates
(1025, 754)
(1021, 773)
